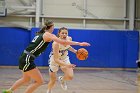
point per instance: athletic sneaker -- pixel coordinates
(62, 82)
(138, 70)
(7, 91)
(49, 91)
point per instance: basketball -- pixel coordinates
(82, 54)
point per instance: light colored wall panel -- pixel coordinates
(19, 2)
(138, 25)
(12, 21)
(99, 8)
(95, 24)
(106, 8)
(16, 6)
(61, 8)
(138, 8)
(13, 3)
(69, 23)
(96, 9)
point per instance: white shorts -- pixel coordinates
(54, 67)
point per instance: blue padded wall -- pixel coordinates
(109, 49)
(12, 43)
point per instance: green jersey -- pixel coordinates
(37, 45)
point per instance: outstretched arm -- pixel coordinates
(48, 37)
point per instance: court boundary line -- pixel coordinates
(79, 68)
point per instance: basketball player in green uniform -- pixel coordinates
(34, 49)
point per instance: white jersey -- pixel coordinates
(63, 53)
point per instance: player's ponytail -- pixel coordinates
(47, 25)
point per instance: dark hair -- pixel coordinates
(62, 28)
(47, 25)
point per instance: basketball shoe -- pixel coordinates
(7, 91)
(62, 82)
(49, 91)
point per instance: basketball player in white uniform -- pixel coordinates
(59, 59)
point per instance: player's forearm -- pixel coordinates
(72, 50)
(71, 42)
(64, 42)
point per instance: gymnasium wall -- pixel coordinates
(70, 13)
(109, 49)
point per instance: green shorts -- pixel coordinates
(26, 62)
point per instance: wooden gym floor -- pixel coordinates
(85, 81)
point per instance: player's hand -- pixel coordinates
(84, 44)
(71, 66)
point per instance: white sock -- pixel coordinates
(62, 78)
(48, 91)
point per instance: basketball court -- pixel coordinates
(110, 26)
(85, 81)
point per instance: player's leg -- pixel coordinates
(37, 77)
(53, 68)
(138, 75)
(52, 81)
(68, 74)
(25, 79)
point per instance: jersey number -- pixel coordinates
(35, 38)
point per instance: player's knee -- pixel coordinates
(70, 77)
(40, 81)
(25, 80)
